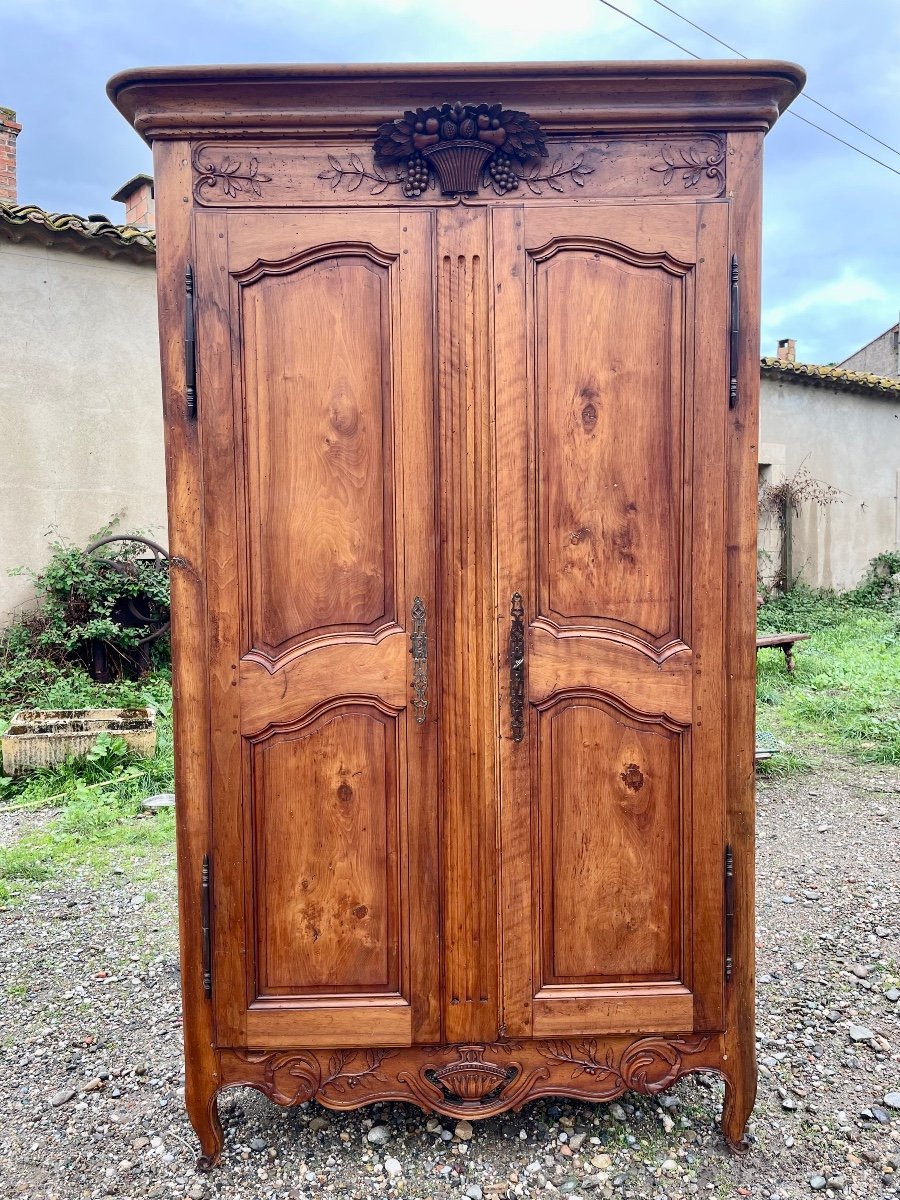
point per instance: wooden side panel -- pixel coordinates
(327, 855)
(171, 162)
(741, 446)
(609, 378)
(316, 340)
(610, 830)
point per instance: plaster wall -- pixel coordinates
(848, 440)
(80, 405)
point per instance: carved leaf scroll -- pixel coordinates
(230, 174)
(693, 165)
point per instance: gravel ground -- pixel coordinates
(91, 1077)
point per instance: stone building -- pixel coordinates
(830, 436)
(881, 356)
(80, 412)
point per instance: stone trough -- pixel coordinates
(45, 738)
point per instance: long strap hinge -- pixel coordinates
(205, 885)
(729, 912)
(190, 355)
(735, 331)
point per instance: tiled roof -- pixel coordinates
(837, 378)
(27, 220)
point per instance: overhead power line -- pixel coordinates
(850, 146)
(803, 95)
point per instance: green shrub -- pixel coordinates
(80, 599)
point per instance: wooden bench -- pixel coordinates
(784, 641)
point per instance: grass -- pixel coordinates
(96, 799)
(845, 692)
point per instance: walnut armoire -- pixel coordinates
(460, 371)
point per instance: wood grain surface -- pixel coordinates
(511, 409)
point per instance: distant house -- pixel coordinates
(80, 412)
(881, 356)
(832, 435)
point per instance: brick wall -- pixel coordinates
(9, 131)
(139, 208)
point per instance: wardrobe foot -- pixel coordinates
(735, 1114)
(204, 1116)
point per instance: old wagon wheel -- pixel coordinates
(140, 609)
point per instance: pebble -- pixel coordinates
(63, 1096)
(617, 1112)
(859, 1033)
(474, 1192)
(464, 1130)
(892, 1099)
(258, 1144)
(393, 1167)
(817, 1182)
(378, 1135)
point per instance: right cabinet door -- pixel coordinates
(611, 379)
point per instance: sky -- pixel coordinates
(831, 237)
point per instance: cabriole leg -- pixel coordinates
(203, 1111)
(740, 1094)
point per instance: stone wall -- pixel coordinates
(850, 440)
(80, 407)
(880, 357)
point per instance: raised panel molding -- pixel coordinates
(609, 415)
(326, 830)
(610, 785)
(320, 485)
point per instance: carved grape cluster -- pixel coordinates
(502, 173)
(415, 176)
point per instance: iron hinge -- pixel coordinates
(729, 912)
(735, 333)
(204, 927)
(190, 357)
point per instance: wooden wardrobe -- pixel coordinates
(460, 375)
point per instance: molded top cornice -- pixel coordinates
(350, 101)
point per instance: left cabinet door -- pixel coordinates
(315, 380)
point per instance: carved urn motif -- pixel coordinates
(456, 141)
(471, 1080)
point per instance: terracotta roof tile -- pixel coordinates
(834, 377)
(23, 219)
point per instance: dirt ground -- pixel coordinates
(91, 1074)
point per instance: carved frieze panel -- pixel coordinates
(276, 174)
(476, 1080)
